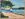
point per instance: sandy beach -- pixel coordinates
(14, 16)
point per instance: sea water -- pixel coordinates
(14, 11)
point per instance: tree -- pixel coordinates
(21, 8)
(8, 3)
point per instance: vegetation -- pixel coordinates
(8, 3)
(21, 8)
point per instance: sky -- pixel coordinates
(17, 3)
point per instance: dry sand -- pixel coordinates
(14, 16)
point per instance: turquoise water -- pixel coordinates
(18, 11)
(15, 11)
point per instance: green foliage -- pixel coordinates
(8, 4)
